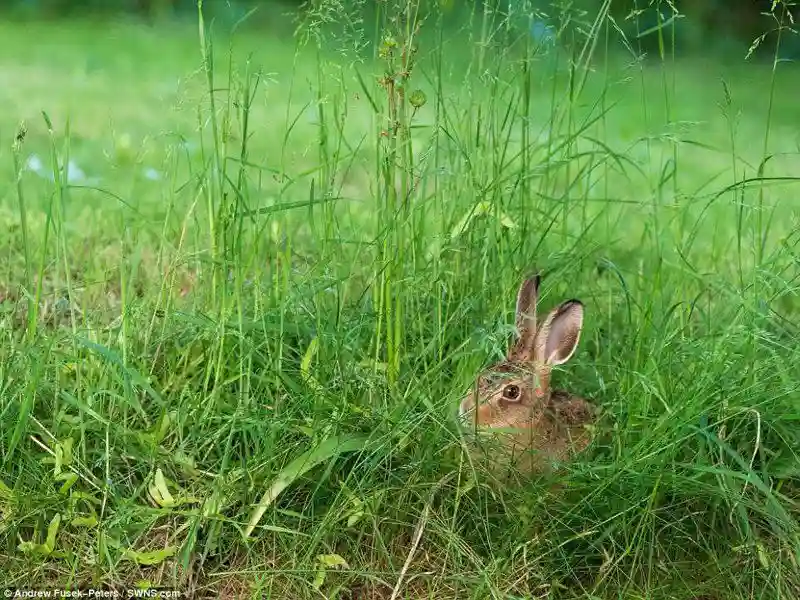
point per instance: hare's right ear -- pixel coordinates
(557, 338)
(527, 297)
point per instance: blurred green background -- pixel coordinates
(701, 24)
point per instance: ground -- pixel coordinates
(236, 329)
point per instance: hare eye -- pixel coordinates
(511, 392)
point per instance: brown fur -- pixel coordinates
(515, 394)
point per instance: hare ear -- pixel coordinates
(558, 336)
(527, 297)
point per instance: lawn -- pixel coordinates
(237, 327)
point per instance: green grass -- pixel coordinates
(231, 356)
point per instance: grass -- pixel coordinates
(232, 351)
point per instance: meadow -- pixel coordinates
(246, 276)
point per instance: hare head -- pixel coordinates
(515, 394)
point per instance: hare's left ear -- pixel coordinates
(527, 297)
(557, 338)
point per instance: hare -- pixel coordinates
(515, 394)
